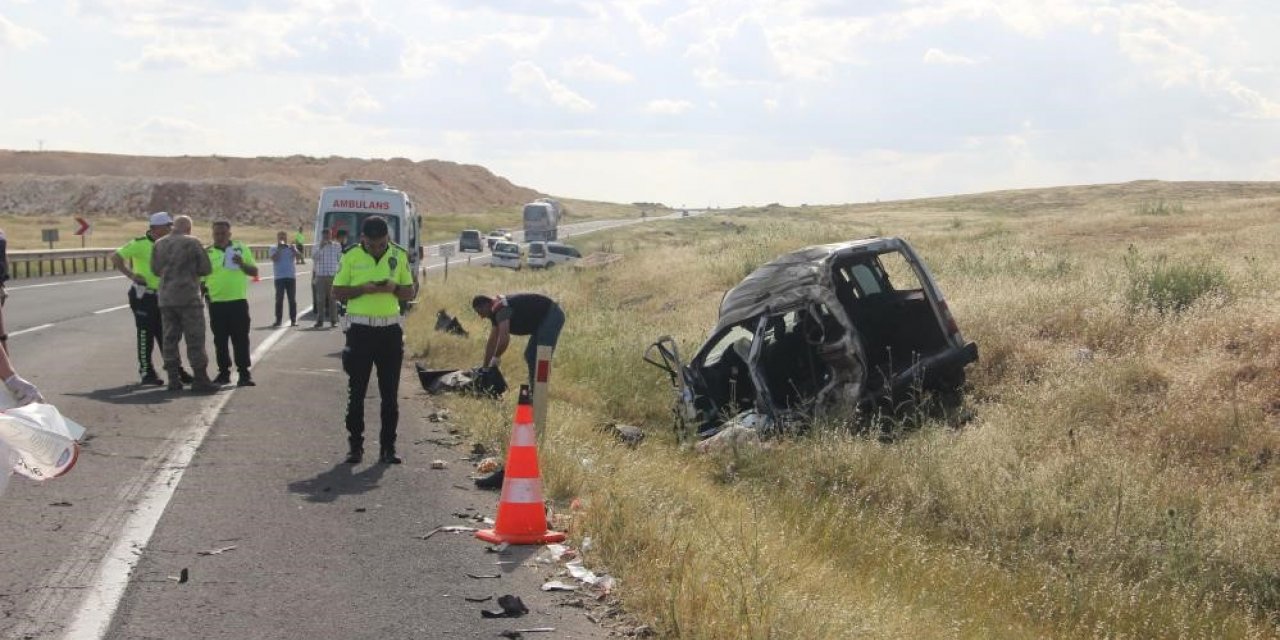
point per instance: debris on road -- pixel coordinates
(215, 552)
(626, 434)
(182, 576)
(556, 585)
(512, 607)
(482, 576)
(439, 415)
(62, 503)
(479, 599)
(438, 464)
(488, 465)
(448, 529)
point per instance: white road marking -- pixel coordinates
(110, 309)
(130, 524)
(59, 284)
(33, 329)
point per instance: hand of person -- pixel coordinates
(23, 391)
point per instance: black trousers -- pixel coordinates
(229, 322)
(146, 317)
(287, 286)
(369, 347)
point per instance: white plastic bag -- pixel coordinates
(43, 441)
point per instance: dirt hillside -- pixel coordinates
(263, 189)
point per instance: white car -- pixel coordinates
(506, 254)
(548, 254)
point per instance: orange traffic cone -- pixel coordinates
(521, 515)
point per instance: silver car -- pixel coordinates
(828, 328)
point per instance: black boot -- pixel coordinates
(355, 450)
(388, 456)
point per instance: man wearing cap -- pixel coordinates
(227, 289)
(373, 278)
(181, 262)
(134, 261)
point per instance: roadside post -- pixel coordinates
(50, 236)
(446, 250)
(541, 377)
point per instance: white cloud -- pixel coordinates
(16, 36)
(668, 107)
(588, 68)
(532, 85)
(938, 56)
(163, 134)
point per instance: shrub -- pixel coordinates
(1172, 286)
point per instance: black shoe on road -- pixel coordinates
(355, 456)
(389, 457)
(491, 481)
(152, 380)
(185, 377)
(246, 381)
(224, 377)
(174, 385)
(275, 325)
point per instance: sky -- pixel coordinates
(692, 103)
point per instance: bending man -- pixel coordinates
(521, 314)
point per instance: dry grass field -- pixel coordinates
(23, 232)
(1119, 476)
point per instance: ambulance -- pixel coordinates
(345, 208)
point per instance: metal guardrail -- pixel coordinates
(54, 262)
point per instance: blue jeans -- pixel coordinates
(548, 334)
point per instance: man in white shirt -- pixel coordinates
(325, 261)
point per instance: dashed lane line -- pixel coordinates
(34, 329)
(110, 309)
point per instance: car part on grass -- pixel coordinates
(481, 381)
(449, 324)
(826, 330)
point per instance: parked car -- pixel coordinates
(496, 236)
(549, 254)
(470, 241)
(506, 254)
(824, 330)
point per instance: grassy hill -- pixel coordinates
(1116, 474)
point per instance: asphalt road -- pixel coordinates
(322, 549)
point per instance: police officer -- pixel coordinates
(373, 278)
(227, 289)
(134, 261)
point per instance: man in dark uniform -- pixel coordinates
(521, 314)
(134, 261)
(373, 278)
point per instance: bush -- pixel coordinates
(1166, 286)
(1158, 208)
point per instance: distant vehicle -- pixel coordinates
(470, 241)
(346, 207)
(828, 329)
(506, 254)
(549, 254)
(541, 219)
(684, 213)
(496, 236)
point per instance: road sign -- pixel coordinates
(446, 250)
(83, 226)
(49, 235)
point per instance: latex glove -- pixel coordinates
(23, 391)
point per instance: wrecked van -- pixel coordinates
(829, 328)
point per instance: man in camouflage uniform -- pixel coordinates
(180, 261)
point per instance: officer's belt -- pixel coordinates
(375, 321)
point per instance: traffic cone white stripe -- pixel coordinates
(522, 491)
(524, 436)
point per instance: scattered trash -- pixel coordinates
(439, 415)
(448, 529)
(556, 585)
(1084, 354)
(586, 543)
(484, 381)
(580, 572)
(360, 509)
(497, 548)
(481, 599)
(215, 552)
(182, 576)
(437, 464)
(491, 481)
(478, 450)
(512, 607)
(488, 465)
(626, 434)
(537, 630)
(483, 576)
(731, 437)
(63, 503)
(449, 324)
(512, 635)
(561, 552)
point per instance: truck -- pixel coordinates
(346, 207)
(541, 219)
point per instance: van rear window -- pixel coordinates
(336, 221)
